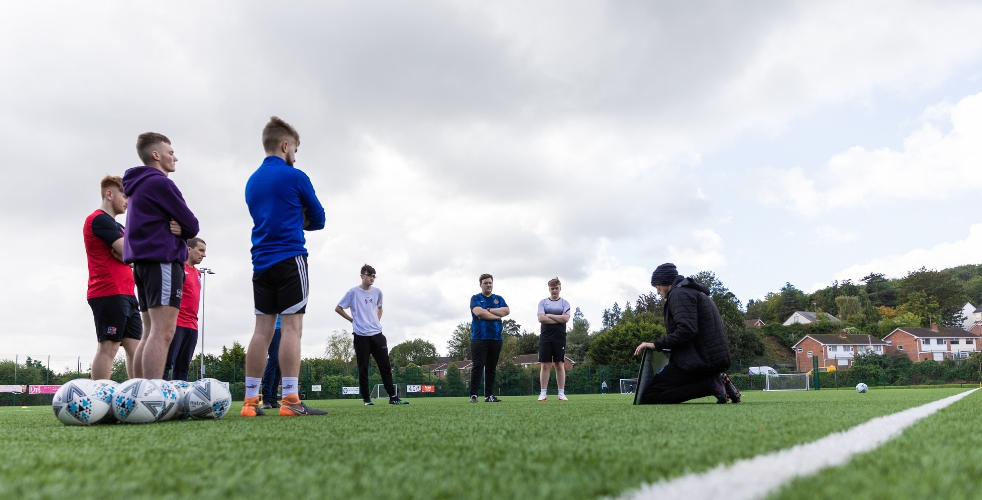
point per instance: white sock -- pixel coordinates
(252, 386)
(290, 385)
(542, 393)
(562, 392)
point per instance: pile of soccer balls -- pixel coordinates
(139, 401)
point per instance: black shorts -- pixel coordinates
(552, 351)
(282, 289)
(158, 283)
(117, 317)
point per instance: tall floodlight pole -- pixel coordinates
(201, 329)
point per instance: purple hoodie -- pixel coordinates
(153, 201)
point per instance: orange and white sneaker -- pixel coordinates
(543, 398)
(562, 397)
(291, 406)
(250, 408)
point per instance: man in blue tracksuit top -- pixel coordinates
(283, 204)
(487, 309)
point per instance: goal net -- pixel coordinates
(379, 391)
(629, 385)
(786, 382)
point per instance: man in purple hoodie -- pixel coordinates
(158, 224)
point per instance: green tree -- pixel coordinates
(459, 345)
(942, 287)
(234, 356)
(455, 385)
(792, 300)
(849, 307)
(511, 327)
(744, 343)
(416, 351)
(528, 342)
(340, 347)
(881, 291)
(578, 337)
(616, 345)
(921, 305)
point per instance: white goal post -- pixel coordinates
(379, 391)
(629, 385)
(786, 382)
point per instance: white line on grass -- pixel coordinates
(756, 477)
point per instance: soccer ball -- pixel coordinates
(207, 399)
(105, 389)
(182, 388)
(171, 396)
(76, 403)
(137, 401)
(861, 388)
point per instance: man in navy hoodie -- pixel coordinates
(283, 204)
(159, 224)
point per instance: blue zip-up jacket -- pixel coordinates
(153, 201)
(277, 195)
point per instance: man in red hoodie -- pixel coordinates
(158, 224)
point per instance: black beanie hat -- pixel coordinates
(665, 274)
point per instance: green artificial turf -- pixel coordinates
(587, 447)
(938, 457)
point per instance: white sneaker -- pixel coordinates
(543, 398)
(562, 397)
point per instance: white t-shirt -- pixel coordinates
(364, 306)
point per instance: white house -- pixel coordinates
(805, 317)
(968, 310)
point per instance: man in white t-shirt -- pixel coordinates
(365, 303)
(553, 315)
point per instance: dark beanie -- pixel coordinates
(665, 274)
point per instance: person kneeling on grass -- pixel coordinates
(697, 341)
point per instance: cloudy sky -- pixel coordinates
(769, 142)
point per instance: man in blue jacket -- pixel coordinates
(283, 204)
(487, 309)
(158, 225)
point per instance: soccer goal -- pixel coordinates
(379, 391)
(786, 382)
(629, 385)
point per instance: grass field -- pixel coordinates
(589, 447)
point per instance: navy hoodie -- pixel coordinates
(153, 201)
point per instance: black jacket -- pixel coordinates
(695, 332)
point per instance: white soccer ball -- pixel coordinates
(207, 399)
(861, 388)
(105, 390)
(171, 396)
(76, 403)
(182, 387)
(137, 401)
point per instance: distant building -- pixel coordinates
(834, 350)
(968, 310)
(805, 317)
(439, 369)
(921, 344)
(532, 360)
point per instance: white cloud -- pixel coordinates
(833, 234)
(931, 166)
(940, 256)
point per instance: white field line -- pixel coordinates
(756, 477)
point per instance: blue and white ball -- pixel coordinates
(862, 388)
(105, 390)
(76, 403)
(182, 387)
(207, 399)
(137, 401)
(171, 395)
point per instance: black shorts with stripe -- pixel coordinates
(552, 351)
(282, 289)
(117, 317)
(158, 283)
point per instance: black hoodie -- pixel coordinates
(695, 332)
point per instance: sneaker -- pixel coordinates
(718, 390)
(267, 406)
(369, 403)
(491, 399)
(250, 408)
(397, 401)
(274, 404)
(731, 391)
(293, 407)
(562, 397)
(474, 399)
(543, 398)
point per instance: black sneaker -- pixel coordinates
(397, 401)
(274, 404)
(718, 390)
(267, 406)
(731, 391)
(293, 407)
(369, 403)
(474, 399)
(491, 399)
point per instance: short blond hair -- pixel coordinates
(554, 282)
(277, 131)
(110, 181)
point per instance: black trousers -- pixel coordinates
(374, 346)
(672, 385)
(485, 355)
(272, 377)
(180, 352)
